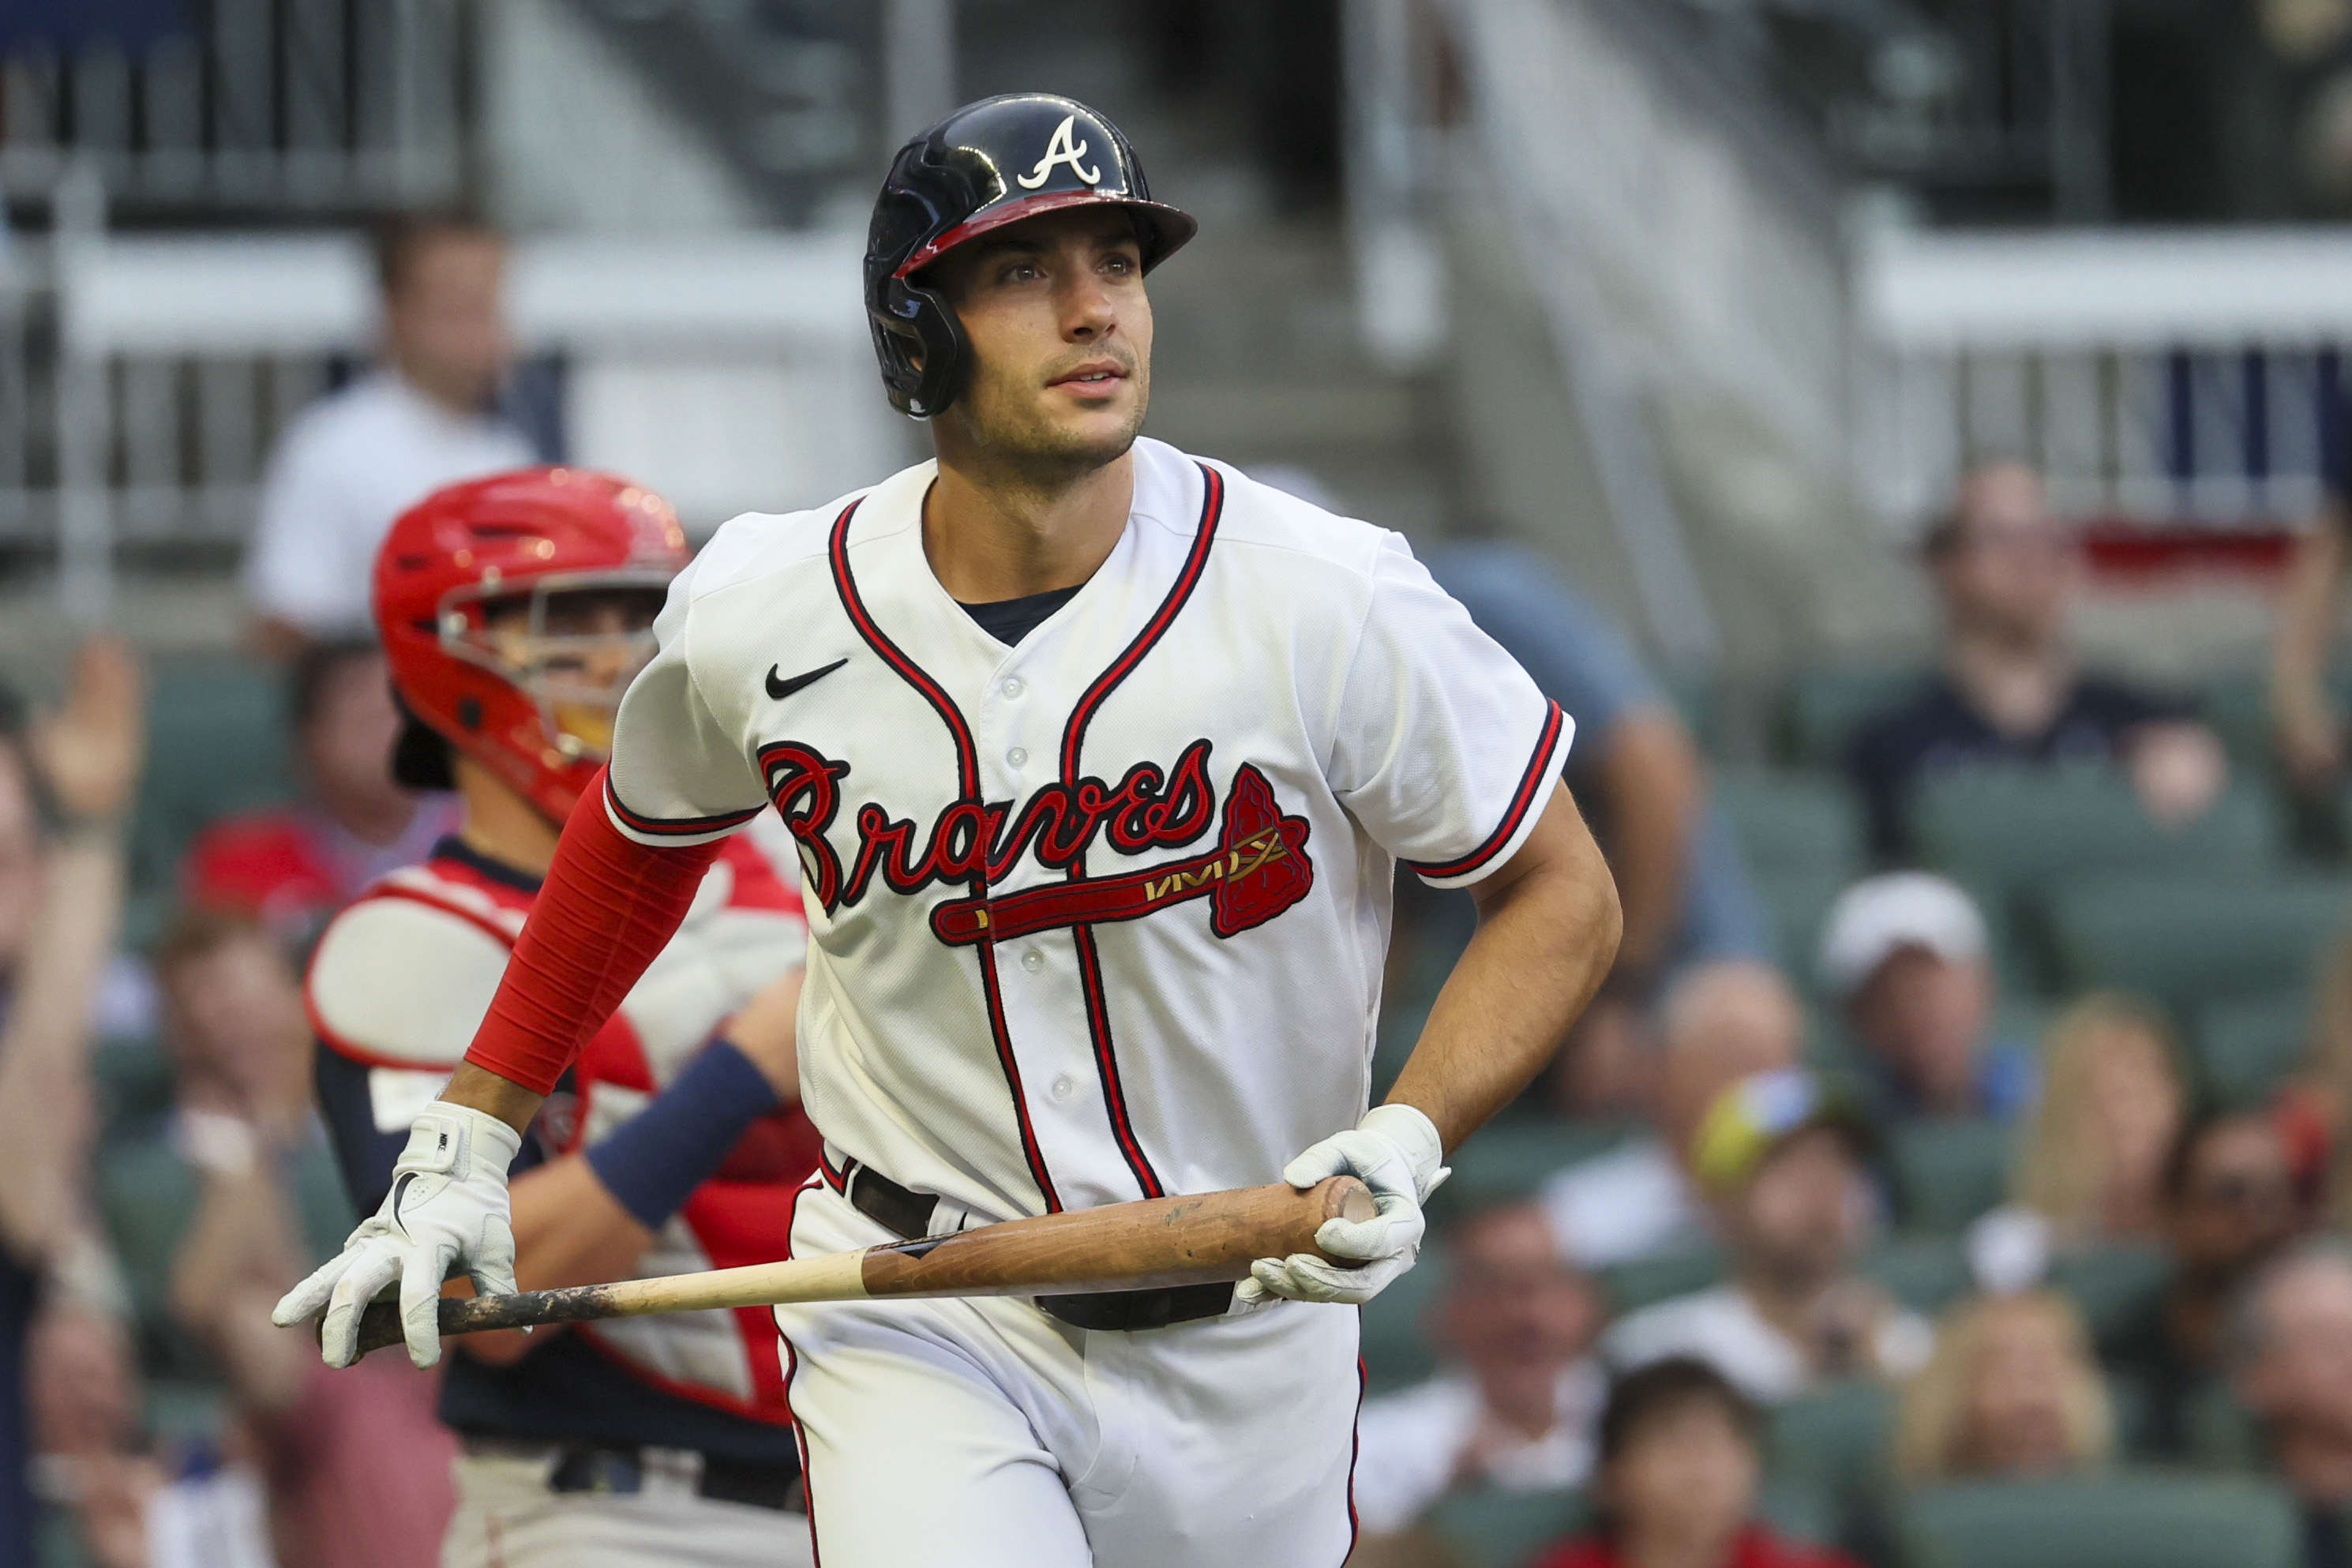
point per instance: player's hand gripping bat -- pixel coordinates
(1199, 1241)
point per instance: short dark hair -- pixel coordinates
(306, 683)
(1641, 1396)
(397, 240)
(200, 930)
(2181, 1160)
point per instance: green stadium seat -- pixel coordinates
(1946, 1172)
(1509, 1157)
(1792, 824)
(1396, 1351)
(1489, 1528)
(2011, 832)
(2237, 704)
(147, 1196)
(134, 1083)
(2247, 1046)
(2147, 1519)
(216, 745)
(1823, 707)
(2187, 940)
(1926, 1273)
(1630, 1287)
(1795, 902)
(2112, 1284)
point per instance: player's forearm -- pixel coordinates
(1549, 925)
(608, 907)
(1652, 780)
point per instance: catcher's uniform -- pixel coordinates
(1097, 916)
(610, 1442)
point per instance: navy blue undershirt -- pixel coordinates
(1010, 620)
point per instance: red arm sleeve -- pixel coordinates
(609, 905)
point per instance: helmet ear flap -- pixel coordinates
(922, 349)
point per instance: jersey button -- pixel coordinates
(1012, 685)
(1016, 757)
(1063, 1088)
(1033, 961)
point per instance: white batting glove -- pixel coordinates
(1395, 1151)
(448, 1207)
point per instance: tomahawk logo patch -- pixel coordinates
(1060, 150)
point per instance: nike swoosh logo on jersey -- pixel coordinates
(781, 689)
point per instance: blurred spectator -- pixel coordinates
(2010, 694)
(1680, 1469)
(59, 900)
(2306, 724)
(2315, 1108)
(293, 867)
(357, 1462)
(1518, 1407)
(2294, 1371)
(1785, 1164)
(1639, 780)
(2229, 1204)
(2011, 1392)
(354, 461)
(1907, 955)
(1720, 1022)
(2111, 1105)
(132, 1508)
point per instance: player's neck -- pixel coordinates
(991, 535)
(501, 824)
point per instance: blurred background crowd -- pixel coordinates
(1909, 435)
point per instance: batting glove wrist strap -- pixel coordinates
(447, 1207)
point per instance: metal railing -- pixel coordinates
(2162, 381)
(265, 107)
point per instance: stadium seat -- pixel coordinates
(1396, 1351)
(134, 1083)
(147, 1197)
(1630, 1287)
(1926, 1273)
(2145, 1520)
(2187, 940)
(2011, 832)
(1509, 1157)
(1795, 902)
(1946, 1172)
(216, 745)
(2246, 1045)
(1824, 706)
(1490, 1528)
(2112, 1284)
(1791, 823)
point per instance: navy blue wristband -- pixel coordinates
(653, 1161)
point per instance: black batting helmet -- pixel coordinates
(988, 165)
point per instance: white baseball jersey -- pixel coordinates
(1104, 914)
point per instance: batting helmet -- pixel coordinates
(988, 165)
(479, 592)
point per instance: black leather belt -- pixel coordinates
(907, 1214)
(617, 1469)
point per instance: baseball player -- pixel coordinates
(513, 612)
(1100, 759)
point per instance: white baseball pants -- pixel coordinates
(508, 1519)
(986, 1434)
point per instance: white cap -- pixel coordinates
(1878, 917)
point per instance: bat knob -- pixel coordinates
(1345, 1197)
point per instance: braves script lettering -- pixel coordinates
(1258, 869)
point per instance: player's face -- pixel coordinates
(1060, 332)
(588, 645)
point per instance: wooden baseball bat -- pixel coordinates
(1196, 1240)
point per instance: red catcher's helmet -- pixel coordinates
(476, 588)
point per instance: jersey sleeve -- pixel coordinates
(678, 775)
(1447, 751)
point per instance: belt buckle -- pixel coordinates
(601, 1472)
